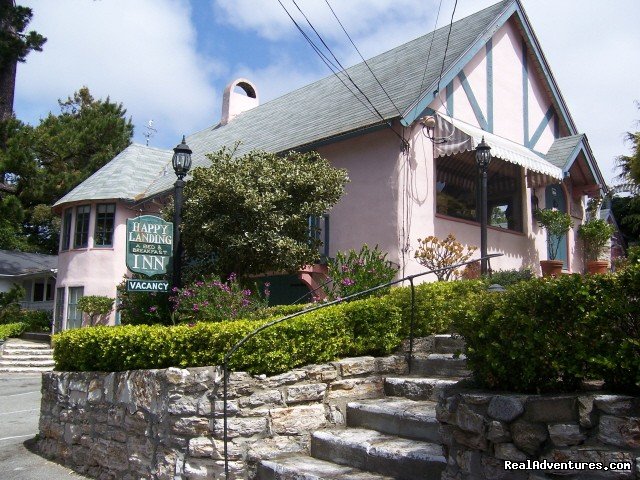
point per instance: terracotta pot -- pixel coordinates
(597, 266)
(551, 268)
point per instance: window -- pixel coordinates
(81, 238)
(74, 316)
(66, 229)
(59, 309)
(457, 190)
(319, 235)
(105, 215)
(43, 289)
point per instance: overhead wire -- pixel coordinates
(433, 36)
(324, 58)
(446, 48)
(363, 59)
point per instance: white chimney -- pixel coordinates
(234, 103)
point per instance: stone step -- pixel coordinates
(447, 343)
(376, 452)
(22, 344)
(25, 369)
(26, 351)
(26, 363)
(396, 416)
(440, 365)
(37, 355)
(419, 388)
(304, 467)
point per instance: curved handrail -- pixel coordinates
(249, 336)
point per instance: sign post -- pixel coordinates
(149, 252)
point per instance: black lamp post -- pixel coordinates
(483, 158)
(181, 164)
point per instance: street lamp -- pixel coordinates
(483, 158)
(181, 162)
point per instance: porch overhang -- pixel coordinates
(455, 136)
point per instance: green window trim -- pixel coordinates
(81, 234)
(66, 229)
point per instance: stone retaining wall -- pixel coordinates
(166, 424)
(483, 430)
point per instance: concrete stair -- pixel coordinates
(396, 437)
(26, 356)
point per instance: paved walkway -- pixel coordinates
(19, 414)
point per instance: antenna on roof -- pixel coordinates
(150, 131)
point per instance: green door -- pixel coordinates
(554, 198)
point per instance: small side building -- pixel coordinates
(34, 272)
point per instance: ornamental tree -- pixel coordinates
(250, 214)
(95, 306)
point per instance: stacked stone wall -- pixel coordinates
(482, 431)
(166, 424)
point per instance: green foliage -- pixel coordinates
(214, 301)
(557, 224)
(12, 330)
(354, 272)
(46, 161)
(510, 277)
(436, 254)
(435, 304)
(15, 43)
(141, 308)
(249, 214)
(549, 334)
(95, 305)
(626, 210)
(278, 311)
(595, 234)
(366, 326)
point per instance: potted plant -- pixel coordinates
(595, 234)
(557, 224)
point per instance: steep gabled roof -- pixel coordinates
(562, 150)
(14, 264)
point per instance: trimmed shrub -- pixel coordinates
(357, 328)
(34, 320)
(435, 304)
(550, 334)
(12, 330)
(510, 277)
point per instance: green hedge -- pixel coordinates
(435, 304)
(12, 330)
(370, 326)
(550, 334)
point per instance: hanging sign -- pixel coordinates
(149, 246)
(147, 286)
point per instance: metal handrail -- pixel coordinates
(234, 349)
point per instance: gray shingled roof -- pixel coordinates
(127, 176)
(562, 148)
(14, 264)
(318, 111)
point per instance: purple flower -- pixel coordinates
(344, 268)
(347, 282)
(267, 284)
(153, 309)
(195, 307)
(199, 284)
(205, 303)
(174, 289)
(232, 277)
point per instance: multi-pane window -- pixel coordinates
(66, 229)
(74, 314)
(59, 309)
(457, 192)
(43, 290)
(105, 215)
(81, 237)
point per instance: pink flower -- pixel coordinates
(195, 307)
(347, 282)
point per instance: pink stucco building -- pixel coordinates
(408, 180)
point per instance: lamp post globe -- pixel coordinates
(483, 158)
(181, 163)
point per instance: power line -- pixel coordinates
(446, 46)
(324, 58)
(433, 36)
(363, 59)
(344, 70)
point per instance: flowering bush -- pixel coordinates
(354, 272)
(436, 254)
(214, 301)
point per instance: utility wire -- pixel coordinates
(363, 59)
(447, 45)
(324, 58)
(433, 35)
(344, 70)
